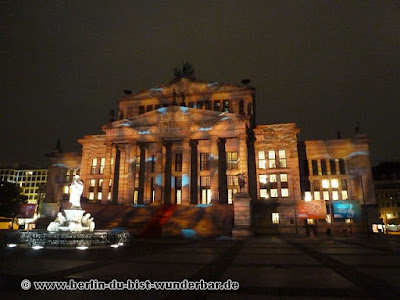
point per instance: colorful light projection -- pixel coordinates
(315, 209)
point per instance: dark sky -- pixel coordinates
(321, 64)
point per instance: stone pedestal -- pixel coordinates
(242, 216)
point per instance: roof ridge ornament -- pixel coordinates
(187, 71)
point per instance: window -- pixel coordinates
(261, 160)
(217, 105)
(344, 195)
(323, 167)
(314, 165)
(262, 179)
(191, 104)
(317, 195)
(307, 196)
(325, 195)
(325, 183)
(92, 182)
(178, 190)
(264, 193)
(141, 109)
(102, 164)
(274, 193)
(332, 163)
(342, 167)
(208, 104)
(285, 192)
(284, 178)
(272, 178)
(335, 183)
(275, 218)
(271, 159)
(200, 104)
(226, 106)
(205, 189)
(178, 162)
(91, 195)
(232, 180)
(231, 160)
(335, 195)
(149, 108)
(204, 161)
(282, 158)
(94, 166)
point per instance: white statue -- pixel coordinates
(87, 221)
(59, 221)
(76, 190)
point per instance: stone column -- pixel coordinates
(168, 172)
(242, 216)
(193, 171)
(116, 176)
(222, 180)
(131, 153)
(243, 159)
(142, 173)
(185, 172)
(159, 170)
(107, 174)
(214, 169)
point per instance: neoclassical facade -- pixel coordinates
(180, 143)
(188, 142)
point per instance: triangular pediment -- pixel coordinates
(177, 116)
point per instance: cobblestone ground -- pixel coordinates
(357, 267)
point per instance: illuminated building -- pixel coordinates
(186, 142)
(387, 191)
(32, 181)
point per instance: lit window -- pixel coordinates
(272, 178)
(282, 158)
(66, 189)
(263, 193)
(91, 196)
(274, 193)
(231, 192)
(335, 183)
(261, 160)
(335, 195)
(102, 164)
(284, 178)
(310, 221)
(271, 159)
(344, 195)
(307, 196)
(231, 160)
(263, 179)
(275, 218)
(94, 166)
(178, 196)
(92, 182)
(285, 192)
(204, 161)
(325, 183)
(99, 195)
(326, 195)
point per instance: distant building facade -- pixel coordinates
(187, 142)
(32, 181)
(387, 191)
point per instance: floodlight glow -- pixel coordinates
(82, 247)
(37, 247)
(11, 245)
(114, 246)
(120, 244)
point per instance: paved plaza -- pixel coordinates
(357, 267)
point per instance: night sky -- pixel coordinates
(321, 64)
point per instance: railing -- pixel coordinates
(47, 239)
